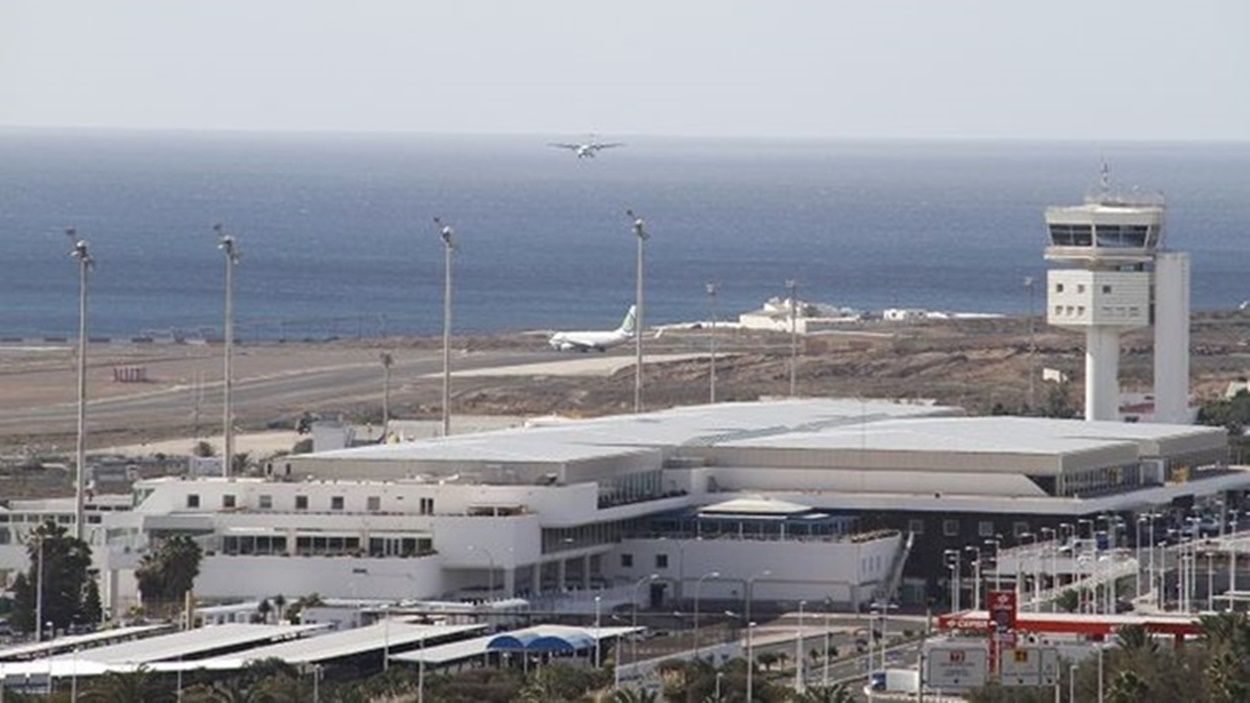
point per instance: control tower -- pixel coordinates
(1112, 275)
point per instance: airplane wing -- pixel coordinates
(573, 147)
(609, 145)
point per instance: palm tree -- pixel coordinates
(1127, 687)
(125, 687)
(825, 694)
(635, 695)
(1135, 638)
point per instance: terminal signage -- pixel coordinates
(1002, 605)
(1032, 666)
(956, 667)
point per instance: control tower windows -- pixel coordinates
(1071, 235)
(1130, 236)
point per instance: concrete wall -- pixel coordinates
(339, 577)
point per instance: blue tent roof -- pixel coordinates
(529, 641)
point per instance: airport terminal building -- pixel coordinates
(779, 501)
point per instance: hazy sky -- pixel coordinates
(1140, 69)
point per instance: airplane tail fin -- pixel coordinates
(630, 324)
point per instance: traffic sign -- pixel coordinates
(1030, 666)
(956, 667)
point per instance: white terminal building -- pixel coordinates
(800, 499)
(1116, 276)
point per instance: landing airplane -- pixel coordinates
(587, 150)
(596, 341)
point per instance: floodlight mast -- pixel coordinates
(792, 286)
(226, 242)
(85, 264)
(711, 300)
(449, 245)
(640, 232)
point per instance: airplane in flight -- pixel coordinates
(596, 341)
(587, 150)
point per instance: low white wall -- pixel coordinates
(338, 577)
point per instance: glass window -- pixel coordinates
(1058, 287)
(193, 500)
(227, 501)
(985, 528)
(336, 502)
(915, 526)
(1019, 528)
(661, 561)
(266, 502)
(373, 503)
(1106, 290)
(627, 561)
(301, 502)
(950, 528)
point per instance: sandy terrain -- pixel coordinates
(592, 366)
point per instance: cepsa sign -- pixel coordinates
(1002, 611)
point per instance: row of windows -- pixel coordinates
(1131, 236)
(1080, 288)
(627, 561)
(63, 519)
(1107, 310)
(326, 546)
(951, 527)
(373, 504)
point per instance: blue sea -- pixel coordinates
(337, 233)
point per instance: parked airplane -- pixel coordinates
(597, 341)
(586, 150)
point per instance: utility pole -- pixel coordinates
(227, 244)
(640, 231)
(85, 264)
(711, 300)
(387, 362)
(792, 287)
(449, 245)
(39, 591)
(1031, 284)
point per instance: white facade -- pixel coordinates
(1171, 372)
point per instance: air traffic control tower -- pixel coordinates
(1111, 274)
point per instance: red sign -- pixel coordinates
(1002, 606)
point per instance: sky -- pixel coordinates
(1059, 69)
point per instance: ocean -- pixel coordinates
(337, 234)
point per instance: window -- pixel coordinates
(426, 506)
(373, 503)
(915, 526)
(1058, 309)
(1080, 288)
(336, 502)
(985, 528)
(266, 502)
(1106, 290)
(1080, 309)
(227, 501)
(1058, 287)
(627, 561)
(661, 561)
(301, 502)
(193, 500)
(1019, 528)
(950, 528)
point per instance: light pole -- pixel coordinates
(1049, 546)
(824, 678)
(711, 342)
(641, 234)
(798, 653)
(792, 289)
(227, 244)
(85, 264)
(997, 541)
(976, 575)
(449, 245)
(39, 591)
(387, 361)
(634, 615)
(386, 638)
(750, 662)
(1031, 284)
(698, 584)
(749, 592)
(953, 560)
(598, 612)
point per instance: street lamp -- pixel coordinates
(711, 302)
(750, 663)
(634, 614)
(750, 596)
(227, 244)
(598, 638)
(698, 584)
(387, 361)
(85, 264)
(1031, 284)
(449, 245)
(997, 541)
(953, 560)
(640, 232)
(792, 290)
(798, 652)
(976, 575)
